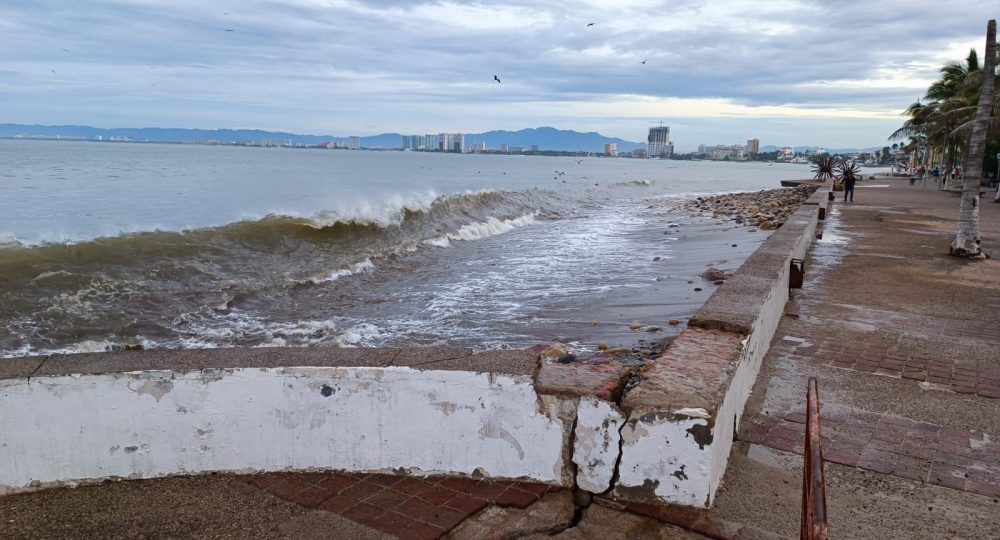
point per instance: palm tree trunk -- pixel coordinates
(967, 242)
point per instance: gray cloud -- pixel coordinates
(343, 66)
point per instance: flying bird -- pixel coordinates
(590, 24)
(65, 50)
(52, 70)
(643, 62)
(229, 30)
(497, 79)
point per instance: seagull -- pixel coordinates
(229, 30)
(52, 70)
(643, 62)
(497, 79)
(590, 24)
(65, 50)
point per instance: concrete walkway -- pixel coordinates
(903, 339)
(905, 344)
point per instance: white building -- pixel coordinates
(452, 142)
(659, 142)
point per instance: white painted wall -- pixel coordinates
(660, 456)
(597, 444)
(149, 424)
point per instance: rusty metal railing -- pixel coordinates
(814, 525)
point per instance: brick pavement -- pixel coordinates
(407, 507)
(978, 378)
(966, 460)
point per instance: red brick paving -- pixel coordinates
(983, 381)
(965, 460)
(407, 507)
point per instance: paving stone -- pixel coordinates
(513, 496)
(603, 379)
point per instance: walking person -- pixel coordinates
(849, 187)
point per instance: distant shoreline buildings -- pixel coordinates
(732, 152)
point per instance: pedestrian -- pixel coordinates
(849, 187)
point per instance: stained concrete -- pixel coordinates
(513, 362)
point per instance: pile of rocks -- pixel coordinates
(764, 209)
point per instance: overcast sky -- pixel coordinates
(833, 74)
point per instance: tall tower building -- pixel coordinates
(753, 146)
(659, 142)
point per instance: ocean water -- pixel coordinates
(106, 245)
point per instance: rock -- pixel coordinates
(651, 328)
(734, 245)
(720, 282)
(655, 259)
(697, 288)
(713, 274)
(767, 226)
(593, 323)
(673, 322)
(635, 325)
(602, 345)
(554, 352)
(690, 281)
(566, 359)
(618, 351)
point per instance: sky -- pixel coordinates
(827, 73)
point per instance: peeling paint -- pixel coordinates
(702, 434)
(157, 389)
(596, 446)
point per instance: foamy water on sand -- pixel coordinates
(107, 246)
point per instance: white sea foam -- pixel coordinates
(325, 277)
(483, 229)
(360, 335)
(8, 240)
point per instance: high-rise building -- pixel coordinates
(610, 149)
(753, 146)
(452, 142)
(354, 143)
(659, 142)
(534, 148)
(479, 146)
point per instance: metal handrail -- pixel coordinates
(814, 526)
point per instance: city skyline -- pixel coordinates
(428, 67)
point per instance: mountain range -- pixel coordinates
(547, 138)
(801, 149)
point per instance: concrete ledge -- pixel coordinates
(439, 358)
(683, 414)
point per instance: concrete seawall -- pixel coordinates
(68, 419)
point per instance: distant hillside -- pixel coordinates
(772, 148)
(547, 138)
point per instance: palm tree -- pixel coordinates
(967, 242)
(946, 117)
